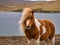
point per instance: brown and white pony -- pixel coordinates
(35, 29)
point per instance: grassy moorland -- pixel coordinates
(20, 40)
(44, 6)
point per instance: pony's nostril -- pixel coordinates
(28, 26)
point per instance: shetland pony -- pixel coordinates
(36, 29)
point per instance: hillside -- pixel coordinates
(43, 6)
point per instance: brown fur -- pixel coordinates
(32, 34)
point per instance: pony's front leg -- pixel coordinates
(29, 42)
(37, 42)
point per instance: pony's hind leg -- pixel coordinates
(50, 42)
(47, 42)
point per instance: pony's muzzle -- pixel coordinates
(28, 27)
(28, 24)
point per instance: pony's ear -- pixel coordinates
(32, 12)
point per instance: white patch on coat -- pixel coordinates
(44, 30)
(37, 24)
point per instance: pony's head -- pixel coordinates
(29, 22)
(27, 19)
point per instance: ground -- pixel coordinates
(20, 40)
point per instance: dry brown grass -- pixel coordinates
(20, 40)
(48, 6)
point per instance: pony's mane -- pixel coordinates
(23, 18)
